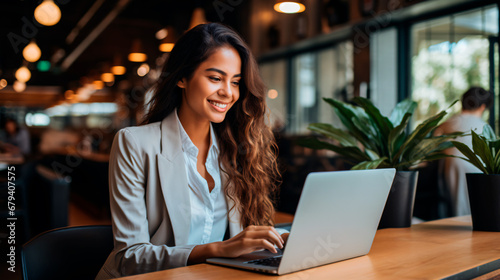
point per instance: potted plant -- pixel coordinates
(371, 140)
(483, 188)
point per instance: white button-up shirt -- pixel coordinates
(208, 209)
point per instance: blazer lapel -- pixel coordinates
(173, 179)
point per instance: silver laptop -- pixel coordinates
(336, 219)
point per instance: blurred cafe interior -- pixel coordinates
(73, 73)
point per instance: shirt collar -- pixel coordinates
(187, 144)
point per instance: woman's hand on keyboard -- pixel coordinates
(251, 239)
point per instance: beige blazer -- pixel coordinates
(150, 204)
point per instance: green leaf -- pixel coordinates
(470, 156)
(373, 155)
(356, 121)
(369, 164)
(383, 124)
(404, 107)
(353, 153)
(331, 132)
(496, 168)
(418, 134)
(481, 149)
(397, 135)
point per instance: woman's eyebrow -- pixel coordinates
(221, 72)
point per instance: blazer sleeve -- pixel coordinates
(133, 252)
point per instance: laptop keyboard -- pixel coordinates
(273, 261)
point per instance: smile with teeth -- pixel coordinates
(220, 105)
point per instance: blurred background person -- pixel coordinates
(15, 139)
(475, 101)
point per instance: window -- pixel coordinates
(324, 73)
(451, 54)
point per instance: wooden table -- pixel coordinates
(439, 249)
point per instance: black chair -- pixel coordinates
(67, 253)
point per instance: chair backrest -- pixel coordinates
(67, 253)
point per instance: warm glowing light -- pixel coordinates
(166, 47)
(136, 53)
(19, 86)
(107, 77)
(137, 57)
(143, 70)
(272, 93)
(3, 83)
(98, 84)
(69, 94)
(48, 13)
(32, 52)
(289, 7)
(161, 34)
(118, 70)
(23, 74)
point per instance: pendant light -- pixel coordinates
(289, 7)
(198, 17)
(3, 83)
(106, 75)
(23, 74)
(137, 54)
(168, 43)
(32, 52)
(47, 13)
(118, 68)
(19, 86)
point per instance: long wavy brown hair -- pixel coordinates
(247, 146)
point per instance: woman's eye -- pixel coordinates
(236, 83)
(215, 79)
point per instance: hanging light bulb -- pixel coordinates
(136, 54)
(118, 68)
(32, 52)
(23, 74)
(19, 86)
(107, 77)
(289, 7)
(3, 83)
(143, 70)
(47, 13)
(161, 34)
(168, 43)
(198, 17)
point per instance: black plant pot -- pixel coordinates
(484, 199)
(398, 209)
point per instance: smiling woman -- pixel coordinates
(196, 179)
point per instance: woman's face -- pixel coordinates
(213, 89)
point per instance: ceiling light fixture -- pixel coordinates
(289, 7)
(168, 43)
(3, 83)
(32, 52)
(19, 86)
(143, 70)
(118, 68)
(161, 34)
(47, 13)
(23, 74)
(137, 54)
(198, 17)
